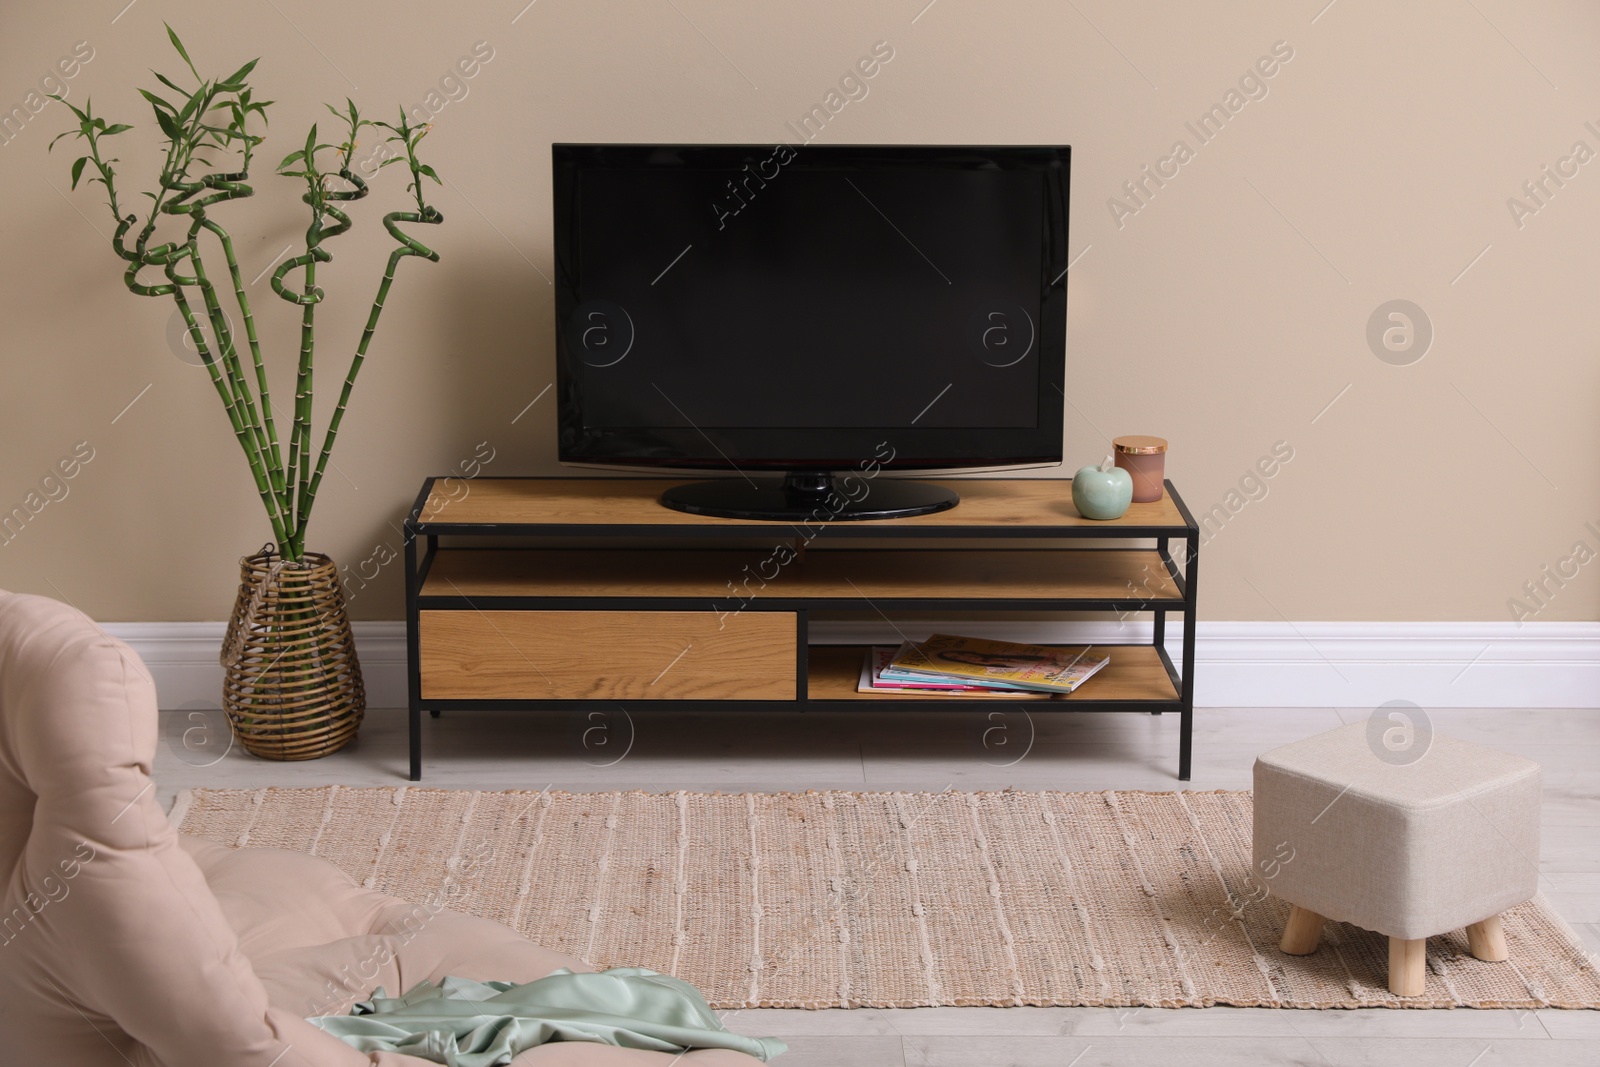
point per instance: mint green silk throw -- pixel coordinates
(462, 1023)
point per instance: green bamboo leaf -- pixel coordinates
(169, 83)
(58, 137)
(290, 158)
(425, 169)
(157, 102)
(201, 96)
(173, 36)
(168, 125)
(238, 76)
(83, 117)
(77, 170)
(115, 128)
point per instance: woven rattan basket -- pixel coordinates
(291, 684)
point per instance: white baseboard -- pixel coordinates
(182, 657)
(1237, 664)
(1432, 664)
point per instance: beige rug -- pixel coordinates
(885, 899)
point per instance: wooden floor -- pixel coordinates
(969, 750)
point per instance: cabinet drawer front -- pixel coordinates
(619, 655)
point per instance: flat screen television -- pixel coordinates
(812, 312)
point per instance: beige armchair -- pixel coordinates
(123, 943)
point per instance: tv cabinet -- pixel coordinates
(557, 593)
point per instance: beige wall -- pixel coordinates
(1225, 313)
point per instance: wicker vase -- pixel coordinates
(291, 684)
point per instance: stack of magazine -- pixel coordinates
(945, 665)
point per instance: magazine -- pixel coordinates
(873, 681)
(891, 675)
(973, 660)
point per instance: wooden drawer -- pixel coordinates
(619, 655)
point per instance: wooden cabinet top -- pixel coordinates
(1009, 506)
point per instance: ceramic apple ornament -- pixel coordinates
(1102, 492)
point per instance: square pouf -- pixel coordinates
(1389, 827)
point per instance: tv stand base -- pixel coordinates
(810, 496)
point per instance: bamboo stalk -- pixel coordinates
(409, 247)
(248, 318)
(231, 407)
(300, 454)
(229, 353)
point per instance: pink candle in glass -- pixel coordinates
(1145, 460)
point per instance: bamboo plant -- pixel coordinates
(205, 129)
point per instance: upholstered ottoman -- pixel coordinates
(1407, 835)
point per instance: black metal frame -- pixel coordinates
(1184, 577)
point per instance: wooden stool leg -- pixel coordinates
(1303, 933)
(1408, 966)
(1487, 940)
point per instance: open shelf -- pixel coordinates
(847, 575)
(1134, 673)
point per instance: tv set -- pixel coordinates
(792, 316)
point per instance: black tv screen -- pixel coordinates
(779, 308)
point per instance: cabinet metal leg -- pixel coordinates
(1185, 742)
(413, 619)
(1190, 617)
(416, 743)
(434, 712)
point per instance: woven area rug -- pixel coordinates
(839, 899)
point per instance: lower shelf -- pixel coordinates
(1134, 673)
